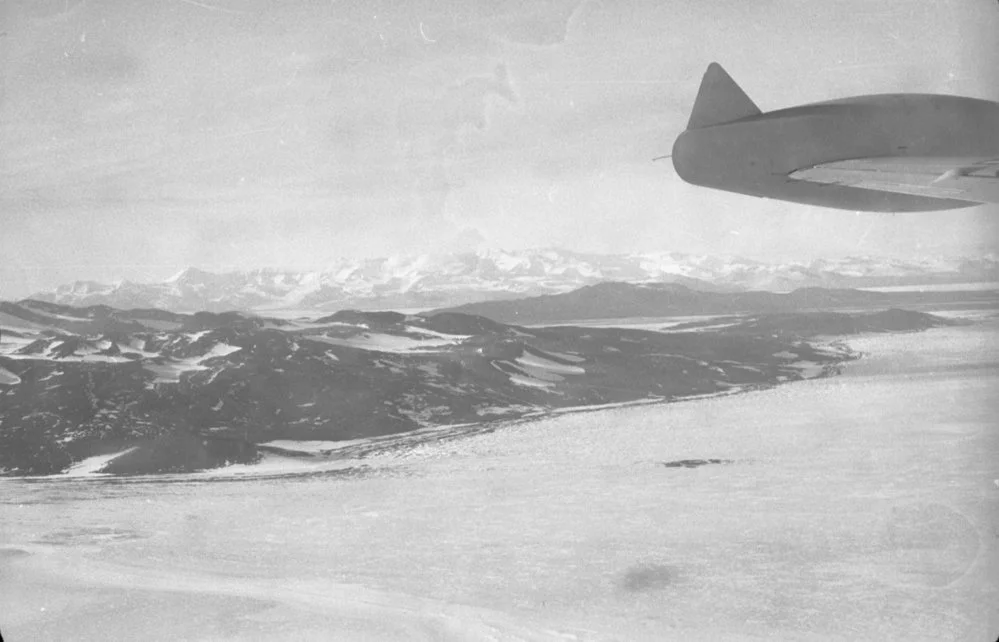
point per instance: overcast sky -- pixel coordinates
(138, 138)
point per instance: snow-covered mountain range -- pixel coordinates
(432, 281)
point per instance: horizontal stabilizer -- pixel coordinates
(720, 100)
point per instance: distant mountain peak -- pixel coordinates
(484, 272)
(189, 274)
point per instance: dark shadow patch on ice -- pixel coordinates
(694, 463)
(12, 554)
(648, 577)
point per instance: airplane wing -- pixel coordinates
(975, 180)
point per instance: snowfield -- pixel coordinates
(93, 465)
(535, 363)
(382, 342)
(171, 369)
(304, 445)
(8, 377)
(857, 507)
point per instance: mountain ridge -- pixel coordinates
(447, 280)
(612, 300)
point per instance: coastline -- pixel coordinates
(358, 456)
(857, 505)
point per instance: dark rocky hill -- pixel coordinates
(164, 392)
(626, 300)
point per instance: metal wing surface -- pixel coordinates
(975, 180)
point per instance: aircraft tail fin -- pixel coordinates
(720, 100)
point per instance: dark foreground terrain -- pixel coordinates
(855, 507)
(178, 392)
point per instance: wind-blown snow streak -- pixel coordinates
(537, 362)
(347, 610)
(93, 465)
(379, 342)
(170, 370)
(8, 377)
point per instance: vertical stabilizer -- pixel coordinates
(720, 100)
